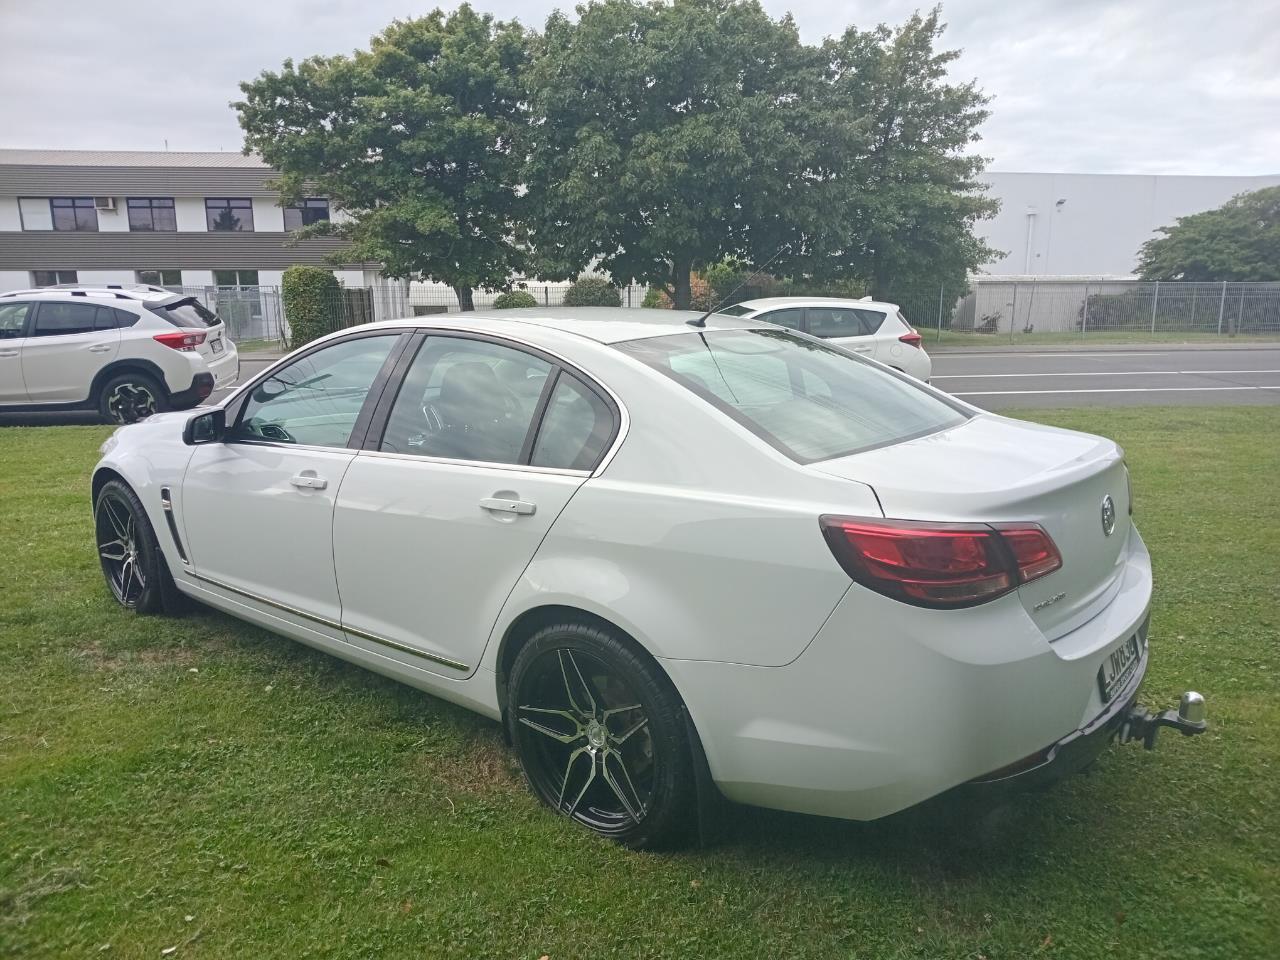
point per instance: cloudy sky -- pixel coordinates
(1143, 86)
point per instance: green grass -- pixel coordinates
(259, 346)
(954, 338)
(291, 806)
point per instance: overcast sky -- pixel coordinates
(1145, 86)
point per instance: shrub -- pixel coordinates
(310, 297)
(701, 296)
(514, 299)
(592, 292)
(655, 299)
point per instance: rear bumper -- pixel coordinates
(225, 367)
(202, 384)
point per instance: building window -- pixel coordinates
(229, 214)
(306, 212)
(235, 278)
(152, 213)
(73, 213)
(51, 278)
(160, 278)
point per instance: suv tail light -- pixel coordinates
(940, 565)
(912, 339)
(181, 339)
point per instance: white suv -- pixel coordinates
(869, 327)
(127, 351)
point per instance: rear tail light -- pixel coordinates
(181, 340)
(912, 339)
(940, 565)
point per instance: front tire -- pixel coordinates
(134, 568)
(130, 397)
(601, 735)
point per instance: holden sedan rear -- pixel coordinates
(665, 557)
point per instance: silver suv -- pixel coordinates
(127, 351)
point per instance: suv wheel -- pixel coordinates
(130, 397)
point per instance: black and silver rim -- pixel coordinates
(119, 549)
(130, 402)
(585, 740)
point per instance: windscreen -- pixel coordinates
(186, 313)
(809, 400)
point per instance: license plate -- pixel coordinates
(216, 345)
(1118, 667)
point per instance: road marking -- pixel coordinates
(1067, 354)
(1094, 373)
(997, 393)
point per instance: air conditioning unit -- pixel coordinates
(104, 203)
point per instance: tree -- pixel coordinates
(1240, 240)
(900, 205)
(665, 135)
(412, 140)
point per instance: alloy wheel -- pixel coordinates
(119, 548)
(130, 402)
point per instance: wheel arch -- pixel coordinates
(127, 365)
(101, 477)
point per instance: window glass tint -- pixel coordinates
(151, 213)
(185, 313)
(109, 318)
(737, 310)
(235, 278)
(315, 400)
(843, 322)
(309, 211)
(466, 400)
(73, 213)
(160, 278)
(51, 278)
(13, 319)
(792, 317)
(59, 319)
(229, 214)
(808, 400)
(575, 429)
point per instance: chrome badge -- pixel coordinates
(1108, 515)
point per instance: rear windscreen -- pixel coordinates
(809, 400)
(186, 313)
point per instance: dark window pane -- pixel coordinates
(160, 278)
(13, 319)
(73, 213)
(790, 318)
(151, 213)
(224, 278)
(229, 214)
(309, 211)
(51, 278)
(575, 428)
(843, 322)
(59, 319)
(185, 313)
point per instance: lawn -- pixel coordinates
(201, 785)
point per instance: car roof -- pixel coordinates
(601, 324)
(136, 292)
(768, 303)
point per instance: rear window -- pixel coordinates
(185, 313)
(737, 310)
(810, 401)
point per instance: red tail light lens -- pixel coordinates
(939, 565)
(181, 340)
(912, 339)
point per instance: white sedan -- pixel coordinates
(869, 327)
(665, 556)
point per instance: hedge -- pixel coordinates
(514, 299)
(310, 298)
(592, 292)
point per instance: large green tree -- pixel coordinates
(1238, 241)
(412, 140)
(666, 135)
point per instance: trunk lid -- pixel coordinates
(991, 469)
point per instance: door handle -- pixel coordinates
(862, 349)
(309, 481)
(100, 348)
(521, 508)
(8, 353)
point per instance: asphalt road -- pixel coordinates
(1112, 378)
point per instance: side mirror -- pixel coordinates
(208, 427)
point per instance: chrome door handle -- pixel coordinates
(309, 481)
(100, 348)
(8, 353)
(521, 508)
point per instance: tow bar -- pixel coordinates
(1141, 724)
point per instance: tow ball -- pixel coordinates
(1140, 724)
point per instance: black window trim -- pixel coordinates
(304, 204)
(150, 208)
(75, 204)
(253, 228)
(378, 426)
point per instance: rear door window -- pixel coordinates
(65, 319)
(844, 321)
(792, 318)
(576, 428)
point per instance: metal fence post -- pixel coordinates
(1222, 304)
(1013, 318)
(1155, 301)
(1240, 316)
(1084, 319)
(940, 289)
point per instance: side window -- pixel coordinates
(466, 400)
(843, 322)
(61, 319)
(315, 400)
(575, 429)
(109, 318)
(792, 318)
(13, 320)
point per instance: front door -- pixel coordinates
(13, 334)
(67, 345)
(257, 509)
(485, 444)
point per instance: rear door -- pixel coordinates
(484, 444)
(853, 328)
(13, 334)
(68, 343)
(189, 313)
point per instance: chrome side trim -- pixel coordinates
(166, 502)
(331, 624)
(450, 461)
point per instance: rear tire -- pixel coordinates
(601, 735)
(130, 397)
(135, 569)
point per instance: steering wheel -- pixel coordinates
(435, 422)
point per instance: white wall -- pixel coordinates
(14, 280)
(10, 217)
(189, 213)
(1104, 220)
(197, 278)
(36, 214)
(114, 221)
(268, 216)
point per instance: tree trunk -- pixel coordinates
(680, 270)
(465, 302)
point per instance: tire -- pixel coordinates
(130, 397)
(601, 736)
(132, 563)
